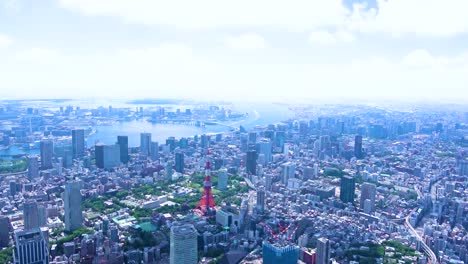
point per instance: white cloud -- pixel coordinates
(5, 41)
(246, 41)
(173, 70)
(39, 55)
(421, 17)
(214, 14)
(326, 38)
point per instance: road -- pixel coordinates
(427, 250)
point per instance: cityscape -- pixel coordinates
(332, 184)
(233, 132)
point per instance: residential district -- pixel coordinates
(335, 184)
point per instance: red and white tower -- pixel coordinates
(207, 202)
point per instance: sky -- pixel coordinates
(305, 50)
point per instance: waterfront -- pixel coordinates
(260, 114)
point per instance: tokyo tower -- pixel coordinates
(207, 202)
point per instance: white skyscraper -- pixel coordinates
(288, 172)
(33, 167)
(368, 192)
(323, 251)
(32, 246)
(72, 203)
(264, 147)
(183, 246)
(222, 179)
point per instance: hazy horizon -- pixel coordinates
(329, 50)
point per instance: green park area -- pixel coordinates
(12, 166)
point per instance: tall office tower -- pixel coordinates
(145, 144)
(252, 137)
(72, 203)
(107, 156)
(30, 215)
(32, 246)
(99, 155)
(222, 179)
(261, 200)
(5, 227)
(368, 192)
(183, 244)
(303, 128)
(179, 162)
(251, 162)
(154, 150)
(78, 143)
(347, 191)
(168, 170)
(33, 167)
(462, 163)
(171, 142)
(265, 147)
(280, 253)
(323, 251)
(268, 181)
(47, 153)
(204, 141)
(289, 170)
(358, 147)
(122, 141)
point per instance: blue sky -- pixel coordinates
(215, 49)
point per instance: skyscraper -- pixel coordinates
(265, 147)
(30, 215)
(145, 144)
(252, 162)
(347, 191)
(323, 251)
(222, 179)
(154, 150)
(358, 147)
(78, 143)
(261, 200)
(280, 253)
(122, 141)
(368, 192)
(32, 246)
(107, 156)
(33, 167)
(183, 244)
(289, 170)
(72, 203)
(179, 162)
(5, 226)
(47, 153)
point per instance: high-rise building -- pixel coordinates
(78, 143)
(32, 246)
(289, 170)
(33, 167)
(154, 150)
(168, 170)
(261, 200)
(323, 251)
(145, 144)
(47, 153)
(222, 179)
(107, 156)
(252, 137)
(183, 244)
(358, 147)
(72, 203)
(179, 162)
(30, 215)
(280, 253)
(122, 141)
(252, 162)
(347, 191)
(368, 192)
(265, 147)
(5, 227)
